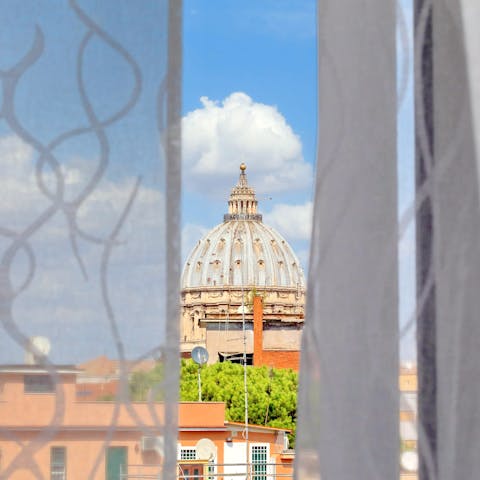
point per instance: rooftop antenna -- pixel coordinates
(200, 357)
(245, 384)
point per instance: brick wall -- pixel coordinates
(269, 358)
(281, 359)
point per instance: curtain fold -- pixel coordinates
(348, 395)
(347, 407)
(456, 240)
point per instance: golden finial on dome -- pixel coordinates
(242, 204)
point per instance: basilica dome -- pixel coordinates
(242, 251)
(238, 259)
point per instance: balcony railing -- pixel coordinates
(201, 470)
(58, 473)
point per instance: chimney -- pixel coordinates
(257, 330)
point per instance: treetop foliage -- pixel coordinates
(272, 393)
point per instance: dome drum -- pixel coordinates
(242, 216)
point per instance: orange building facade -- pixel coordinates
(47, 433)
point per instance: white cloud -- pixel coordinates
(191, 234)
(294, 222)
(21, 200)
(15, 154)
(59, 301)
(219, 136)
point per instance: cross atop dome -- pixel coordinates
(243, 203)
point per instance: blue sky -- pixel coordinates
(267, 50)
(256, 48)
(249, 94)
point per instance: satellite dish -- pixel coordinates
(42, 344)
(38, 349)
(200, 355)
(205, 449)
(409, 461)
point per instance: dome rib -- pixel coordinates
(218, 250)
(275, 274)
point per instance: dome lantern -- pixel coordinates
(242, 204)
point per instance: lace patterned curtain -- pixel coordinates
(89, 146)
(90, 169)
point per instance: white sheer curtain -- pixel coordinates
(348, 393)
(454, 191)
(90, 175)
(348, 404)
(90, 111)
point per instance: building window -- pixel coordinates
(235, 358)
(259, 454)
(116, 463)
(190, 453)
(187, 453)
(38, 384)
(212, 470)
(189, 472)
(58, 456)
